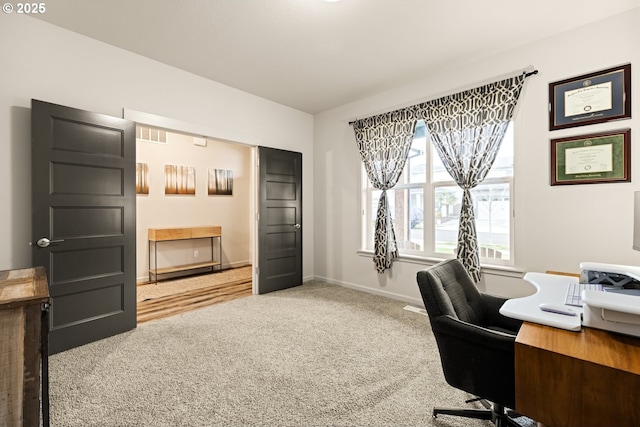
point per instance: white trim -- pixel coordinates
(399, 297)
(494, 270)
(192, 128)
(255, 223)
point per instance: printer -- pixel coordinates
(617, 309)
(622, 276)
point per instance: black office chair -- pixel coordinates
(476, 342)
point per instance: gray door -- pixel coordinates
(84, 219)
(280, 222)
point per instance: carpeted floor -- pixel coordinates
(314, 355)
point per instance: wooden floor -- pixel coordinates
(189, 300)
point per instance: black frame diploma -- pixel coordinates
(590, 159)
(591, 98)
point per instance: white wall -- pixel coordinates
(556, 227)
(45, 62)
(232, 213)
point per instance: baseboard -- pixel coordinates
(145, 279)
(399, 297)
(237, 264)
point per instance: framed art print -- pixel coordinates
(590, 159)
(220, 182)
(591, 98)
(142, 178)
(179, 180)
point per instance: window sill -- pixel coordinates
(497, 270)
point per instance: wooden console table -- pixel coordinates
(24, 327)
(157, 235)
(589, 378)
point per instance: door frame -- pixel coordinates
(147, 119)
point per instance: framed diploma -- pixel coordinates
(590, 159)
(592, 98)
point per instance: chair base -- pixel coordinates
(479, 414)
(496, 413)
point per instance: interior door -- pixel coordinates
(84, 202)
(280, 220)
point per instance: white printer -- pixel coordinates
(617, 309)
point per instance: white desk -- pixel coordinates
(567, 379)
(552, 289)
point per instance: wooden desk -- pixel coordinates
(589, 378)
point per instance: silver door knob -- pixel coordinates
(44, 242)
(297, 225)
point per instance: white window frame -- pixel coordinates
(428, 251)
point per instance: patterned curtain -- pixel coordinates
(467, 129)
(384, 142)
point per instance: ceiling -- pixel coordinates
(313, 55)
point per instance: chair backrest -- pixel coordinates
(475, 357)
(447, 289)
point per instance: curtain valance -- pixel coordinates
(418, 110)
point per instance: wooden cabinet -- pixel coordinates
(159, 235)
(24, 302)
(588, 378)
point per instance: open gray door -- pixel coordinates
(280, 222)
(84, 221)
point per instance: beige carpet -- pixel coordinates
(172, 287)
(311, 356)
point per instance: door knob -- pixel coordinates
(297, 225)
(44, 242)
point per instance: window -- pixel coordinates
(425, 205)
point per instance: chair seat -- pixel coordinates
(476, 343)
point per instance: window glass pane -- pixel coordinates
(439, 171)
(503, 165)
(413, 239)
(406, 207)
(415, 170)
(447, 200)
(492, 209)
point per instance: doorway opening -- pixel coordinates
(185, 183)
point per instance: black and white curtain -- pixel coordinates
(384, 142)
(467, 129)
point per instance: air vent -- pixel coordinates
(416, 309)
(147, 134)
